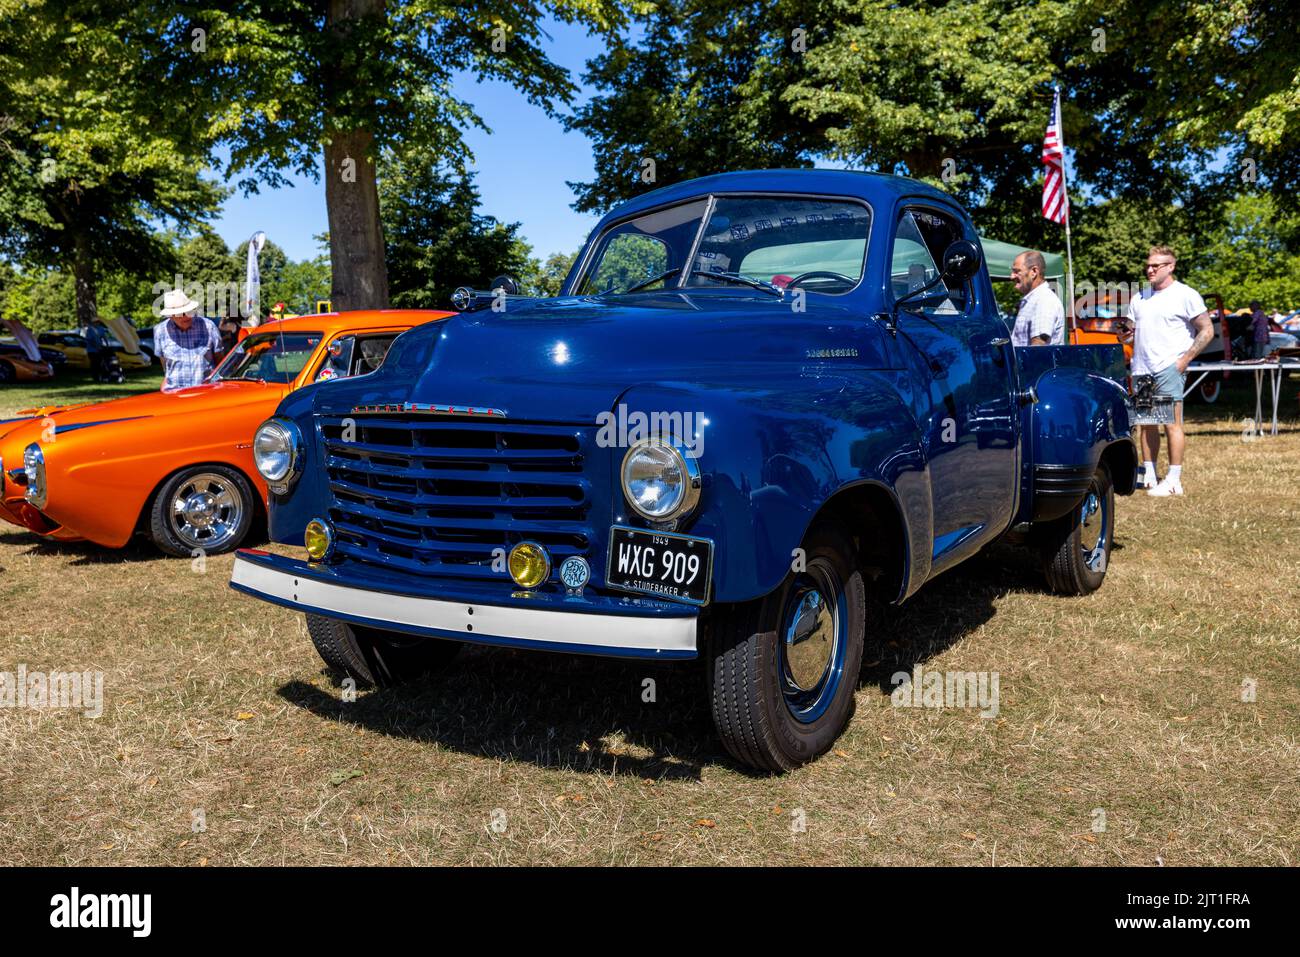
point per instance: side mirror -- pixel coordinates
(961, 261)
(507, 283)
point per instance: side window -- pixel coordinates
(354, 355)
(627, 260)
(919, 243)
(368, 354)
(338, 359)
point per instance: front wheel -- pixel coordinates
(203, 509)
(783, 669)
(1076, 547)
(377, 658)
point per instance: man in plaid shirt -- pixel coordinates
(185, 342)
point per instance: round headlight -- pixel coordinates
(659, 482)
(34, 469)
(275, 451)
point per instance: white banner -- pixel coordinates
(253, 278)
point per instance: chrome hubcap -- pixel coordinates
(207, 511)
(809, 640)
(811, 643)
(1093, 531)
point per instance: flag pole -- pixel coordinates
(1065, 191)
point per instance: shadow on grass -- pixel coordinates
(86, 553)
(588, 714)
(944, 611)
(566, 712)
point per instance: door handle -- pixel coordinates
(1000, 341)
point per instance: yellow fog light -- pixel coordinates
(318, 538)
(529, 564)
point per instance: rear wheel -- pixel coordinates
(1076, 547)
(1209, 390)
(783, 669)
(377, 658)
(207, 508)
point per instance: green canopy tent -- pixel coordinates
(999, 257)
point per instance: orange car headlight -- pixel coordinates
(34, 468)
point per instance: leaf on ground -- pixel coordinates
(338, 777)
(706, 822)
(244, 716)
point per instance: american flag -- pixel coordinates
(1056, 205)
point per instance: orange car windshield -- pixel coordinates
(269, 357)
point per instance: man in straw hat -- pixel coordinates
(185, 342)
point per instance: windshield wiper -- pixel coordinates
(744, 280)
(652, 280)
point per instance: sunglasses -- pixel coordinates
(1157, 265)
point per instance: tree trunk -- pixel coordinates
(359, 277)
(83, 275)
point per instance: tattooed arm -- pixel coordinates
(1204, 336)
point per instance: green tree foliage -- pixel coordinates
(1247, 256)
(699, 93)
(40, 299)
(286, 85)
(550, 276)
(956, 92)
(93, 149)
(437, 238)
(206, 259)
(1111, 239)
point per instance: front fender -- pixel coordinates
(772, 456)
(100, 478)
(1078, 416)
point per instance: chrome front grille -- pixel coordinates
(446, 496)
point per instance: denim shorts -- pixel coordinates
(1170, 382)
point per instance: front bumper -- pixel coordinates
(590, 624)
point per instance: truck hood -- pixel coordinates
(569, 359)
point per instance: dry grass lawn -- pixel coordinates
(1127, 704)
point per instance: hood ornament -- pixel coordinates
(427, 408)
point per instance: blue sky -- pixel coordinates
(522, 167)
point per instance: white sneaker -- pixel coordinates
(1168, 486)
(1146, 479)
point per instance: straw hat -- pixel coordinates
(176, 303)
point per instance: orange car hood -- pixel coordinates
(207, 398)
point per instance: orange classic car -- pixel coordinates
(178, 466)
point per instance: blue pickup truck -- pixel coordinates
(759, 396)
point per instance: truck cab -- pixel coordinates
(759, 396)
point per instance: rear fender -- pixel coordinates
(1080, 416)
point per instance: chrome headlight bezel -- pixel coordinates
(281, 479)
(36, 492)
(687, 468)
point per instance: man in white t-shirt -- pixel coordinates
(1169, 326)
(1040, 319)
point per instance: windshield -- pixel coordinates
(747, 242)
(269, 357)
